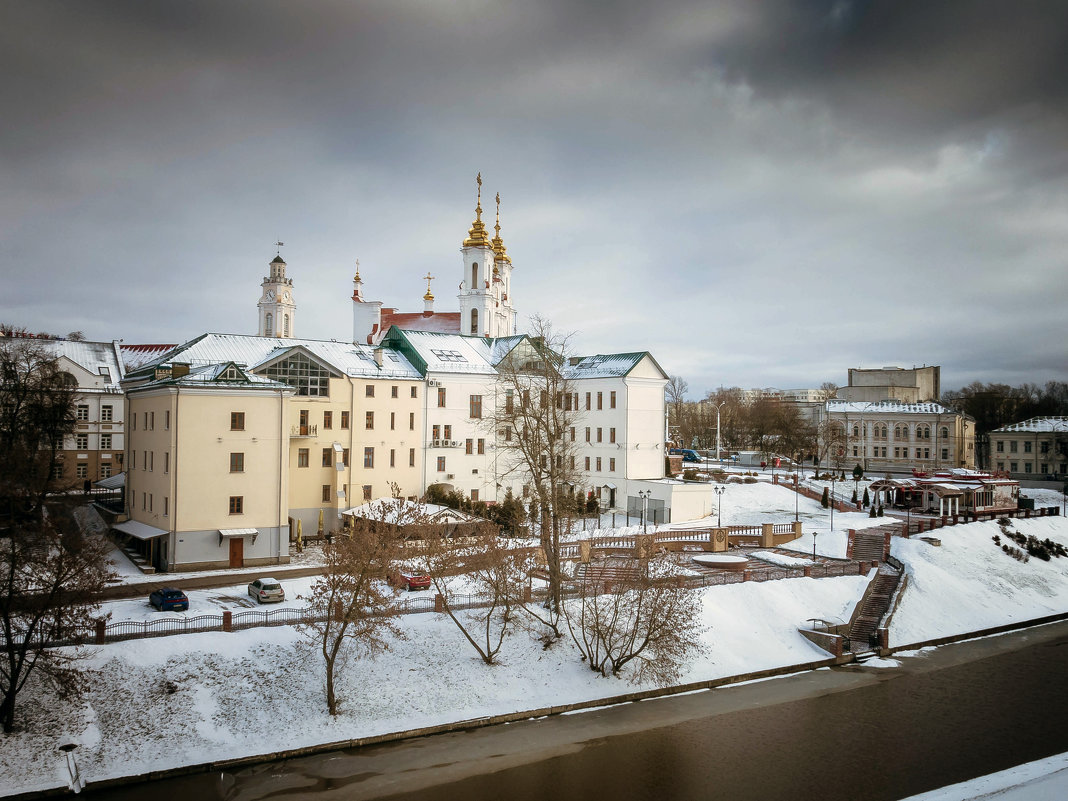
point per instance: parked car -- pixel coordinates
(687, 454)
(410, 581)
(266, 590)
(169, 599)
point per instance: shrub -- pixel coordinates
(854, 499)
(871, 512)
(689, 475)
(825, 501)
(880, 510)
(867, 499)
(750, 480)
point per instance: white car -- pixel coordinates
(266, 590)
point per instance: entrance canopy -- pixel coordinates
(117, 481)
(231, 533)
(139, 531)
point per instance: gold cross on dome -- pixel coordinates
(428, 278)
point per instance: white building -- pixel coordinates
(1035, 447)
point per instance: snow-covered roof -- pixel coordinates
(97, 358)
(1037, 425)
(447, 353)
(217, 375)
(887, 407)
(137, 356)
(346, 357)
(603, 365)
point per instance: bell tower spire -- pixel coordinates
(277, 311)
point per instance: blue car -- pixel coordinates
(169, 599)
(686, 454)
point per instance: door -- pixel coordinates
(237, 552)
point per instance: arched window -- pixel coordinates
(474, 321)
(856, 431)
(268, 325)
(285, 325)
(944, 433)
(474, 275)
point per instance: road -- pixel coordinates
(857, 732)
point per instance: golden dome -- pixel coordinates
(478, 236)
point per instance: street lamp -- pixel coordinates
(717, 405)
(796, 493)
(814, 535)
(719, 505)
(832, 504)
(644, 495)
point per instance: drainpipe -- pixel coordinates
(283, 458)
(173, 536)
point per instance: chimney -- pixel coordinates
(378, 357)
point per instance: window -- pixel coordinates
(509, 400)
(237, 504)
(237, 463)
(571, 462)
(1027, 467)
(369, 420)
(587, 401)
(167, 427)
(146, 421)
(81, 471)
(369, 391)
(474, 495)
(367, 492)
(326, 493)
(611, 435)
(611, 465)
(441, 397)
(166, 461)
(945, 433)
(414, 394)
(411, 457)
(328, 457)
(598, 464)
(344, 419)
(1014, 467)
(82, 412)
(476, 406)
(1001, 446)
(572, 433)
(393, 391)
(328, 419)
(369, 457)
(612, 399)
(1045, 447)
(441, 464)
(435, 431)
(152, 420)
(600, 401)
(105, 442)
(481, 446)
(1001, 465)
(474, 321)
(237, 421)
(166, 505)
(470, 446)
(392, 421)
(106, 413)
(945, 453)
(587, 433)
(81, 442)
(587, 462)
(392, 457)
(411, 421)
(447, 432)
(1027, 447)
(345, 456)
(599, 434)
(302, 457)
(1013, 445)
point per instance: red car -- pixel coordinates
(410, 581)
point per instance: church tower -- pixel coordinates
(276, 307)
(501, 283)
(481, 284)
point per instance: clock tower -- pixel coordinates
(276, 307)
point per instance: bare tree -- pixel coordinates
(492, 569)
(640, 617)
(37, 401)
(52, 574)
(351, 599)
(675, 394)
(536, 419)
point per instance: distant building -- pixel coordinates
(1035, 447)
(914, 385)
(892, 435)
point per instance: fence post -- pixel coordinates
(797, 529)
(767, 537)
(228, 620)
(585, 549)
(101, 631)
(439, 603)
(851, 538)
(808, 571)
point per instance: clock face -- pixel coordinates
(270, 294)
(285, 296)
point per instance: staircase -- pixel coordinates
(869, 545)
(861, 637)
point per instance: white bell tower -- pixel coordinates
(476, 288)
(277, 311)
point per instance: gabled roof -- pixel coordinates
(100, 359)
(221, 375)
(1039, 425)
(252, 351)
(440, 322)
(442, 353)
(888, 407)
(607, 365)
(136, 356)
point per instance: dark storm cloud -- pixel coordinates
(759, 193)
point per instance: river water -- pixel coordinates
(858, 732)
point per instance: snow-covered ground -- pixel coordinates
(1042, 780)
(967, 583)
(260, 690)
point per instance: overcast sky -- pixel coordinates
(759, 193)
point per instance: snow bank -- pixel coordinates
(969, 584)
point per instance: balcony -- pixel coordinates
(304, 431)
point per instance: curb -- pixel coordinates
(972, 635)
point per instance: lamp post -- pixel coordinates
(717, 405)
(719, 505)
(832, 506)
(814, 535)
(644, 495)
(796, 493)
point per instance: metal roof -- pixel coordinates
(1039, 425)
(888, 407)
